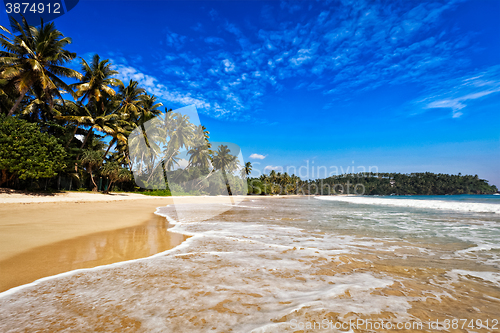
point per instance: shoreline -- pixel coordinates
(243, 275)
(43, 239)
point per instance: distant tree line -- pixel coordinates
(426, 183)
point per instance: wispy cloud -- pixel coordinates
(466, 90)
(359, 46)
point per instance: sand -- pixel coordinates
(44, 235)
(26, 226)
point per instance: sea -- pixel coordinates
(290, 264)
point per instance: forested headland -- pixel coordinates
(372, 184)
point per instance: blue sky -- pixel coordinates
(404, 86)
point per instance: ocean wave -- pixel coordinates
(424, 204)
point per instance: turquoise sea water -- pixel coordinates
(479, 198)
(268, 261)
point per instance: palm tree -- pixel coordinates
(91, 161)
(71, 112)
(131, 100)
(7, 92)
(34, 59)
(182, 133)
(246, 170)
(96, 80)
(115, 173)
(149, 109)
(224, 161)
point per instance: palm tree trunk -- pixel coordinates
(14, 107)
(210, 174)
(70, 139)
(85, 140)
(226, 180)
(93, 182)
(106, 153)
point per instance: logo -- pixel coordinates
(173, 152)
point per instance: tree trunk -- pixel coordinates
(14, 107)
(59, 182)
(109, 147)
(93, 182)
(85, 140)
(4, 177)
(226, 180)
(70, 139)
(81, 147)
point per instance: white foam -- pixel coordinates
(426, 204)
(259, 272)
(493, 277)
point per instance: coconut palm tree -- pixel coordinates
(246, 170)
(97, 79)
(34, 59)
(71, 113)
(224, 161)
(91, 161)
(115, 173)
(182, 133)
(149, 110)
(7, 92)
(131, 100)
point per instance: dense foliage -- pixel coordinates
(414, 183)
(84, 143)
(27, 153)
(372, 184)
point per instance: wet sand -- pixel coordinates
(41, 239)
(88, 251)
(24, 227)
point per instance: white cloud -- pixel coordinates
(257, 156)
(275, 168)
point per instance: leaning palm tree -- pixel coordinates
(97, 79)
(7, 92)
(34, 59)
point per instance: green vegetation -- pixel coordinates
(414, 183)
(49, 142)
(26, 152)
(372, 184)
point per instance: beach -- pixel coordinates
(283, 265)
(44, 235)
